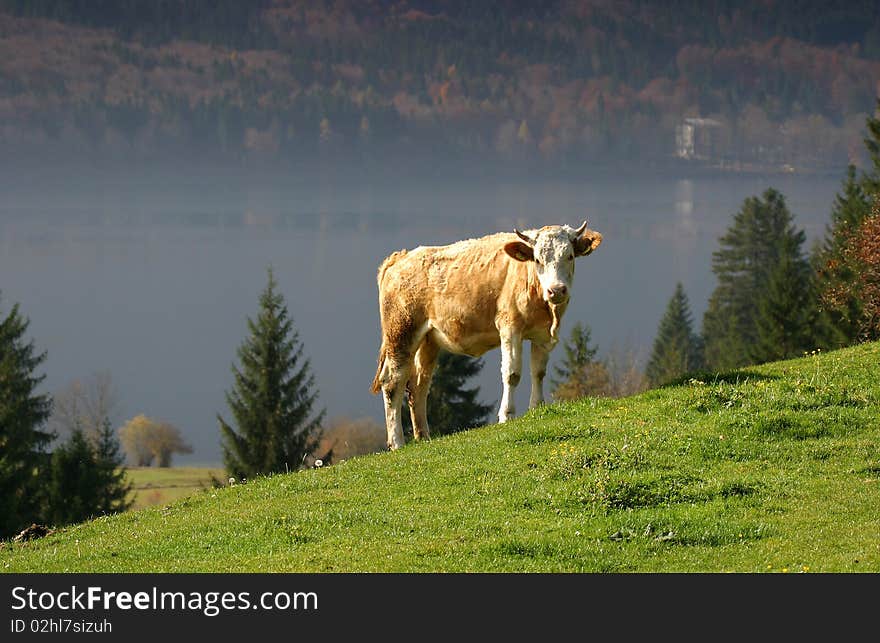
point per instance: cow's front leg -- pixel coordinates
(538, 369)
(511, 369)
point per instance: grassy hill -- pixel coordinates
(770, 469)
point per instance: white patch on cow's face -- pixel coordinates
(554, 262)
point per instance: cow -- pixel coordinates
(470, 297)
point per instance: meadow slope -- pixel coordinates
(771, 468)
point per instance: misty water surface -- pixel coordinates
(152, 279)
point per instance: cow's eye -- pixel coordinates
(571, 257)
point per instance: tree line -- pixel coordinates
(354, 81)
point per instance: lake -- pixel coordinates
(152, 278)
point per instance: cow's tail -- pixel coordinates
(377, 381)
(390, 260)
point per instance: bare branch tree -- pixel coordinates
(85, 403)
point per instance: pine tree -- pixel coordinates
(578, 354)
(113, 486)
(786, 311)
(843, 301)
(23, 412)
(272, 399)
(86, 477)
(677, 347)
(749, 252)
(451, 407)
(871, 179)
(850, 209)
(580, 374)
(72, 492)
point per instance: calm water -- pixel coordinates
(152, 280)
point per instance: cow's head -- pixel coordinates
(553, 249)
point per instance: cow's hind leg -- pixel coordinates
(420, 384)
(393, 376)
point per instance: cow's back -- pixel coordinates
(460, 290)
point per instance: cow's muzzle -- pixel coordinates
(557, 294)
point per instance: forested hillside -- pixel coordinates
(550, 84)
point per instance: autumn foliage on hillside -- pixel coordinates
(551, 83)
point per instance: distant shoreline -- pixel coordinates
(16, 175)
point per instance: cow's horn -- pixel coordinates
(580, 230)
(525, 238)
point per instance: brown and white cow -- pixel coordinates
(470, 297)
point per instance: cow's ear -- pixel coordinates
(519, 251)
(587, 242)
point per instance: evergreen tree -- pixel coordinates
(850, 208)
(451, 407)
(22, 414)
(72, 492)
(113, 487)
(578, 353)
(837, 276)
(272, 399)
(580, 374)
(677, 347)
(749, 253)
(786, 312)
(86, 477)
(871, 179)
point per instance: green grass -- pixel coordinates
(152, 486)
(773, 468)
